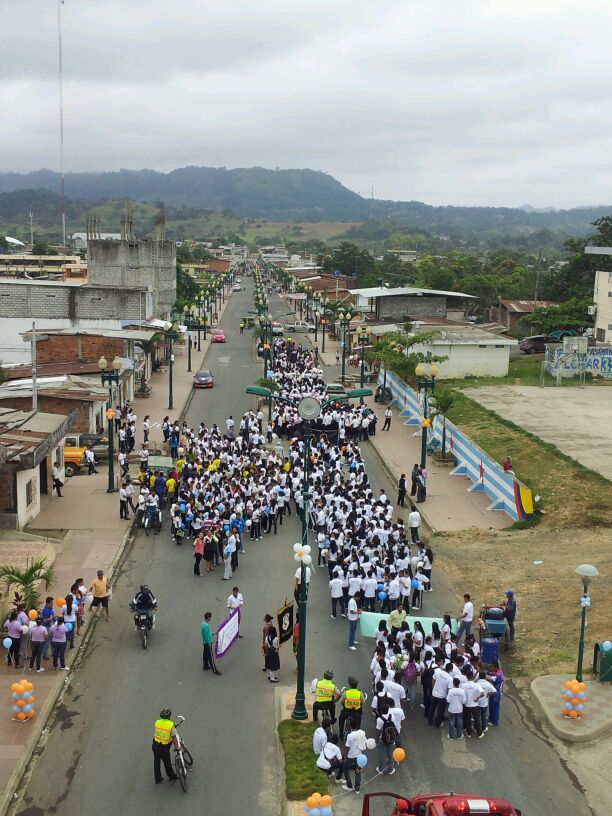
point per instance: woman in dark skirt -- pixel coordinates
(272, 658)
(209, 552)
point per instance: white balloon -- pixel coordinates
(296, 557)
(306, 548)
(307, 559)
(297, 547)
(371, 743)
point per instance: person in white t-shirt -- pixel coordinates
(414, 522)
(355, 745)
(337, 596)
(330, 758)
(483, 703)
(298, 581)
(456, 699)
(466, 617)
(353, 612)
(321, 735)
(235, 601)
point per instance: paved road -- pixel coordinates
(97, 757)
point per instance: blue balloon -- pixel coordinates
(382, 596)
(14, 696)
(315, 812)
(606, 645)
(182, 506)
(306, 809)
(25, 695)
(380, 586)
(27, 708)
(220, 507)
(189, 516)
(326, 811)
(16, 709)
(226, 528)
(414, 583)
(580, 695)
(7, 643)
(568, 706)
(362, 760)
(580, 707)
(68, 626)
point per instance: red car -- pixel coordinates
(218, 337)
(203, 379)
(441, 804)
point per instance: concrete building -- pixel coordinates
(78, 240)
(26, 265)
(602, 298)
(30, 444)
(406, 303)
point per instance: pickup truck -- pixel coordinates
(297, 326)
(74, 450)
(441, 804)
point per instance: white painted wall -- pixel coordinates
(603, 300)
(469, 359)
(25, 513)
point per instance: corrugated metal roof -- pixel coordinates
(526, 306)
(381, 291)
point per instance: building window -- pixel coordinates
(601, 335)
(29, 492)
(500, 346)
(482, 346)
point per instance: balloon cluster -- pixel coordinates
(302, 554)
(574, 698)
(318, 805)
(22, 701)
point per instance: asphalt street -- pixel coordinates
(97, 757)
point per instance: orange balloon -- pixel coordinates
(30, 699)
(300, 554)
(325, 801)
(27, 686)
(568, 684)
(579, 713)
(32, 614)
(14, 716)
(575, 686)
(311, 802)
(22, 716)
(16, 687)
(60, 602)
(575, 701)
(20, 703)
(573, 714)
(582, 686)
(564, 712)
(317, 797)
(30, 714)
(399, 754)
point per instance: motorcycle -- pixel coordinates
(143, 623)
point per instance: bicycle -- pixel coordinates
(183, 760)
(347, 720)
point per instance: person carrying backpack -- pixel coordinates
(427, 670)
(409, 679)
(386, 734)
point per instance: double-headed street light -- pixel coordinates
(108, 377)
(171, 334)
(345, 317)
(426, 379)
(586, 572)
(309, 410)
(363, 342)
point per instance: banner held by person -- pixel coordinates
(227, 633)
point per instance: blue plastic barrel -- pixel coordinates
(490, 650)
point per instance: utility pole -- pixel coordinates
(31, 228)
(33, 355)
(61, 119)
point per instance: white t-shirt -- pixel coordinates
(414, 518)
(319, 740)
(456, 698)
(468, 611)
(353, 610)
(395, 690)
(442, 682)
(234, 601)
(356, 743)
(328, 752)
(487, 687)
(298, 575)
(397, 717)
(472, 692)
(335, 588)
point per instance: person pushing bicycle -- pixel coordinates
(351, 704)
(164, 737)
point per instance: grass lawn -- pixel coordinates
(302, 777)
(558, 479)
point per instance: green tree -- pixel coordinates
(25, 581)
(445, 399)
(569, 315)
(186, 289)
(42, 248)
(350, 259)
(484, 287)
(148, 347)
(394, 351)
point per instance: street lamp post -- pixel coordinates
(345, 322)
(110, 376)
(188, 324)
(363, 342)
(199, 308)
(586, 572)
(426, 379)
(309, 410)
(171, 334)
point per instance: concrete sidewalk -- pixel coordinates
(449, 505)
(88, 535)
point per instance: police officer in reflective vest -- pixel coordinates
(327, 695)
(163, 738)
(351, 701)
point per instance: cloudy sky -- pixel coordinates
(449, 102)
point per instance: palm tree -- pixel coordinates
(445, 400)
(25, 582)
(148, 347)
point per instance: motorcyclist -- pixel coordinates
(145, 601)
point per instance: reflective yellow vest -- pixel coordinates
(352, 699)
(325, 691)
(163, 729)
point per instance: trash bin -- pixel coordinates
(489, 650)
(602, 661)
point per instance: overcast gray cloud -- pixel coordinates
(463, 102)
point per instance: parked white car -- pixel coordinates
(296, 326)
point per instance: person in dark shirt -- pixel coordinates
(509, 614)
(401, 490)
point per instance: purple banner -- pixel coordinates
(227, 633)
